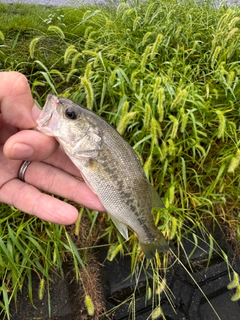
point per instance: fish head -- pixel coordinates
(62, 117)
(71, 125)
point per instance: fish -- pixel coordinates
(109, 166)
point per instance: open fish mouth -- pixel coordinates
(49, 117)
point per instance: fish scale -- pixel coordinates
(109, 166)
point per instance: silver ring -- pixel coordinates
(23, 169)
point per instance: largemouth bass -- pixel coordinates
(109, 166)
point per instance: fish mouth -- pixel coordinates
(49, 117)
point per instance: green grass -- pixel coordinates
(166, 75)
(28, 244)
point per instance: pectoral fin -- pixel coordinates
(88, 147)
(122, 228)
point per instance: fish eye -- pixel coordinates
(71, 114)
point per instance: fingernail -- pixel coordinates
(21, 151)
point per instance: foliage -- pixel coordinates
(166, 75)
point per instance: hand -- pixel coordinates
(50, 170)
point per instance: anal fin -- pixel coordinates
(122, 228)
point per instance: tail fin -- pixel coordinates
(159, 244)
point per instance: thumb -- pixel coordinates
(16, 101)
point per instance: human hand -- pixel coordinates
(50, 170)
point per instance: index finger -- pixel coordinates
(16, 102)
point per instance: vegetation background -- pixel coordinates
(166, 75)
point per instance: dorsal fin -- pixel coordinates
(156, 200)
